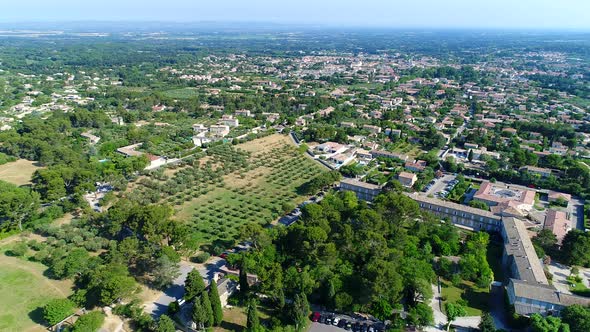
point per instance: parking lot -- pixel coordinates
(439, 185)
(326, 321)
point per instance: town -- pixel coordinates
(301, 181)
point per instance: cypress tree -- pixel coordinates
(194, 285)
(199, 315)
(207, 308)
(253, 323)
(215, 304)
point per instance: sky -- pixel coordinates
(503, 14)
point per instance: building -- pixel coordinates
(558, 223)
(493, 195)
(460, 215)
(407, 179)
(93, 139)
(229, 121)
(416, 165)
(245, 113)
(219, 130)
(364, 191)
(199, 128)
(542, 172)
(372, 129)
(331, 147)
(555, 197)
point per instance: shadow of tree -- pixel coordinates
(477, 299)
(37, 316)
(231, 326)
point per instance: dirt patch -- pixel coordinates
(19, 172)
(265, 144)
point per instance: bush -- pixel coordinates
(202, 257)
(56, 310)
(90, 322)
(19, 249)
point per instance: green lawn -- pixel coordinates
(23, 290)
(579, 288)
(477, 299)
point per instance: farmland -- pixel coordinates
(230, 186)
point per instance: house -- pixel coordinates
(416, 165)
(364, 191)
(245, 113)
(199, 128)
(300, 122)
(555, 196)
(558, 223)
(347, 125)
(364, 154)
(388, 155)
(229, 121)
(93, 139)
(543, 172)
(372, 129)
(219, 130)
(407, 179)
(331, 147)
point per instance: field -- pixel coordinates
(475, 298)
(23, 289)
(231, 186)
(18, 172)
(183, 93)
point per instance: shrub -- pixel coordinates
(19, 249)
(89, 322)
(56, 310)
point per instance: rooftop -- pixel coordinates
(519, 246)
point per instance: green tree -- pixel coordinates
(17, 204)
(89, 322)
(487, 323)
(547, 324)
(194, 285)
(575, 248)
(56, 310)
(199, 314)
(215, 303)
(111, 282)
(165, 324)
(209, 319)
(252, 323)
(421, 315)
(453, 310)
(164, 272)
(577, 317)
(299, 311)
(470, 155)
(381, 309)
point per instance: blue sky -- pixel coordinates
(543, 14)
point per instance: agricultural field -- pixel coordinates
(229, 186)
(183, 93)
(18, 172)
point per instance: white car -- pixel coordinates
(336, 321)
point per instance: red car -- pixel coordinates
(315, 317)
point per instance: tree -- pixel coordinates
(165, 324)
(575, 248)
(577, 317)
(421, 315)
(76, 262)
(243, 279)
(209, 319)
(199, 314)
(453, 310)
(299, 310)
(194, 285)
(546, 239)
(165, 272)
(381, 309)
(111, 282)
(17, 204)
(253, 323)
(215, 303)
(547, 324)
(89, 322)
(470, 155)
(487, 323)
(56, 310)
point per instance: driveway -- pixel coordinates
(317, 327)
(176, 290)
(440, 184)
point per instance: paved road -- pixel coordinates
(317, 327)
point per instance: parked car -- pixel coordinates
(322, 319)
(356, 327)
(315, 317)
(342, 323)
(348, 326)
(335, 321)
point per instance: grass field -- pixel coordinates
(18, 172)
(477, 299)
(23, 290)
